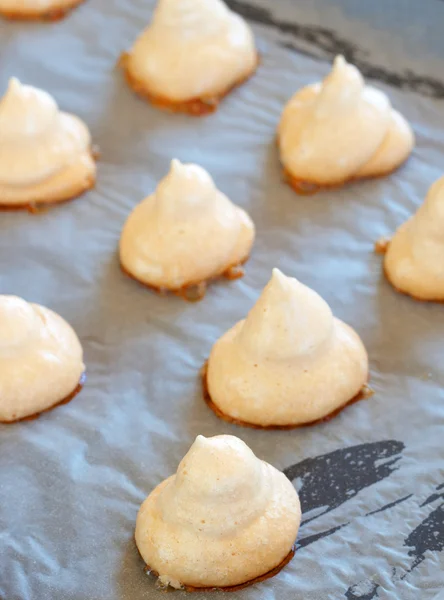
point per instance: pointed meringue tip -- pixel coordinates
(201, 441)
(277, 273)
(277, 277)
(14, 84)
(176, 166)
(339, 61)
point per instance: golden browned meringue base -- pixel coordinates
(196, 107)
(365, 393)
(65, 400)
(54, 14)
(71, 192)
(411, 295)
(233, 588)
(381, 247)
(309, 188)
(195, 290)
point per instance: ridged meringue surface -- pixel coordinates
(414, 262)
(186, 232)
(41, 148)
(193, 49)
(223, 519)
(290, 362)
(41, 359)
(342, 129)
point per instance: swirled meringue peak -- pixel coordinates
(192, 50)
(414, 262)
(289, 363)
(37, 9)
(224, 519)
(341, 129)
(44, 153)
(186, 233)
(41, 360)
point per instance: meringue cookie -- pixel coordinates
(186, 233)
(414, 262)
(191, 55)
(289, 363)
(37, 9)
(41, 361)
(45, 154)
(225, 519)
(341, 129)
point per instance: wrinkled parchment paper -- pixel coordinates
(371, 481)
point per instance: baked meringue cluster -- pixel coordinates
(193, 50)
(224, 519)
(289, 363)
(41, 359)
(341, 129)
(414, 261)
(45, 154)
(186, 233)
(37, 9)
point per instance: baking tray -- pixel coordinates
(371, 482)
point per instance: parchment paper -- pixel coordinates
(371, 481)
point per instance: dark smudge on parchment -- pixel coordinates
(327, 481)
(428, 535)
(365, 590)
(312, 40)
(389, 505)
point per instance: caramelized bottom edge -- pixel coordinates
(381, 247)
(65, 400)
(410, 294)
(196, 107)
(309, 188)
(363, 394)
(53, 14)
(198, 287)
(240, 586)
(40, 205)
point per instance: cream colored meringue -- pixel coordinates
(44, 153)
(224, 519)
(342, 129)
(193, 49)
(185, 233)
(414, 262)
(290, 362)
(40, 359)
